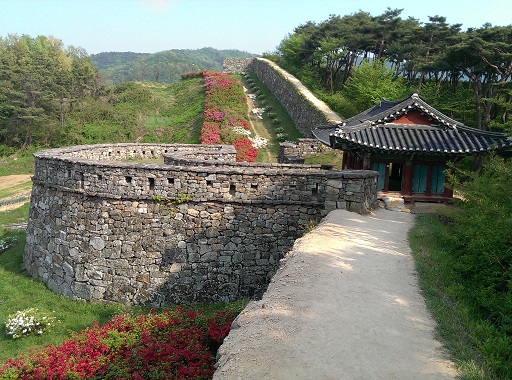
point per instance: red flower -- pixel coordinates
(178, 344)
(225, 107)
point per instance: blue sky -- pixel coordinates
(255, 26)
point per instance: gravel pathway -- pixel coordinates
(345, 305)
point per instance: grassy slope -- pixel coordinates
(456, 324)
(275, 117)
(178, 118)
(20, 292)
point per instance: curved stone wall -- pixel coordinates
(170, 224)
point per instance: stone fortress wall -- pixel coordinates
(305, 109)
(163, 224)
(107, 223)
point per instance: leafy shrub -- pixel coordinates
(480, 242)
(282, 136)
(7, 243)
(370, 82)
(225, 115)
(177, 344)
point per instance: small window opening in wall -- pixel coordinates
(69, 173)
(165, 151)
(100, 177)
(152, 152)
(143, 152)
(151, 183)
(170, 181)
(128, 179)
(314, 191)
(109, 154)
(82, 179)
(254, 185)
(232, 189)
(209, 182)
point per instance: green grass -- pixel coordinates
(21, 163)
(13, 190)
(333, 158)
(18, 215)
(267, 127)
(185, 115)
(458, 326)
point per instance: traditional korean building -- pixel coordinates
(409, 143)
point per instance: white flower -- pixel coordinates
(27, 322)
(239, 130)
(259, 112)
(258, 142)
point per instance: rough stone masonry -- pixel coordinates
(194, 226)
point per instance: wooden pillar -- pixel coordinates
(407, 178)
(345, 161)
(367, 161)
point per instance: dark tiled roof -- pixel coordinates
(373, 129)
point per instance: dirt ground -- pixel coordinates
(13, 180)
(345, 305)
(10, 181)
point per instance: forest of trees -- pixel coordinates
(52, 94)
(465, 73)
(40, 80)
(350, 61)
(163, 67)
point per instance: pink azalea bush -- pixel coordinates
(225, 111)
(177, 344)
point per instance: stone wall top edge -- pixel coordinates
(331, 117)
(189, 165)
(77, 148)
(231, 169)
(352, 174)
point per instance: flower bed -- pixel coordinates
(225, 114)
(29, 322)
(177, 344)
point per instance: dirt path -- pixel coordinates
(345, 305)
(17, 199)
(13, 180)
(250, 107)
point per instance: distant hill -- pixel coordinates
(163, 67)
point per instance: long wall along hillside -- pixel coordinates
(198, 227)
(305, 109)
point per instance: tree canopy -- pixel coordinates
(435, 53)
(40, 79)
(162, 67)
